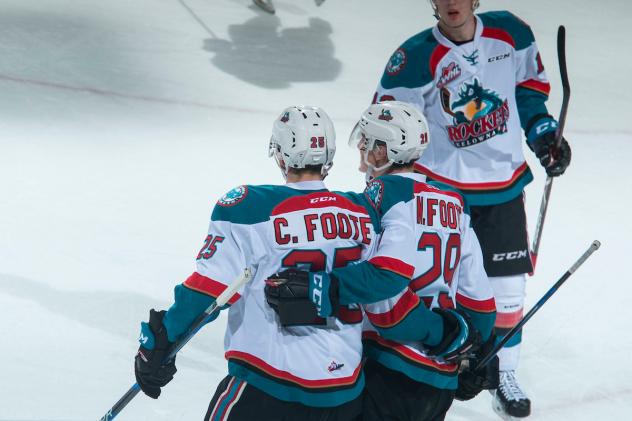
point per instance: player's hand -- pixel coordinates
(296, 295)
(460, 337)
(554, 160)
(541, 139)
(471, 382)
(151, 373)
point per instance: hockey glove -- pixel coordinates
(299, 297)
(151, 373)
(541, 139)
(460, 337)
(471, 382)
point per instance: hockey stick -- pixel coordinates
(200, 321)
(566, 93)
(593, 247)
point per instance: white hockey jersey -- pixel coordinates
(448, 272)
(476, 97)
(270, 228)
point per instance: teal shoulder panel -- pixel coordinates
(510, 23)
(251, 204)
(386, 191)
(409, 66)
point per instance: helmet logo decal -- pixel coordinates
(286, 117)
(397, 62)
(478, 114)
(385, 115)
(234, 196)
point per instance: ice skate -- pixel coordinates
(509, 401)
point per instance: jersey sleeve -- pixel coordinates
(474, 293)
(532, 84)
(227, 251)
(404, 317)
(386, 272)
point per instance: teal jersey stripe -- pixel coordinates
(226, 399)
(492, 197)
(414, 371)
(321, 398)
(483, 322)
(515, 340)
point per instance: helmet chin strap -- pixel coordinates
(475, 4)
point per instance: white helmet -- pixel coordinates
(401, 126)
(303, 135)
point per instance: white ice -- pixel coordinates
(122, 122)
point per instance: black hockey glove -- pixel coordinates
(471, 382)
(460, 337)
(541, 139)
(294, 295)
(150, 373)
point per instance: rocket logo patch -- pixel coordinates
(396, 63)
(234, 196)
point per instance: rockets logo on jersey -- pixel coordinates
(234, 196)
(374, 191)
(396, 63)
(478, 114)
(449, 73)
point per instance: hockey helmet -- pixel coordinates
(400, 126)
(302, 136)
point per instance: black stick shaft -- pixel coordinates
(566, 94)
(593, 247)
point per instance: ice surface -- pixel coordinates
(122, 122)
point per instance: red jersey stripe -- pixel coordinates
(208, 286)
(409, 353)
(536, 85)
(406, 303)
(481, 306)
(423, 187)
(474, 186)
(274, 372)
(393, 265)
(317, 200)
(498, 34)
(437, 54)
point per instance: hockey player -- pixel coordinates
(285, 362)
(479, 79)
(405, 379)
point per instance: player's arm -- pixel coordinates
(221, 259)
(475, 297)
(532, 92)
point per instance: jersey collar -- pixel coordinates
(413, 176)
(307, 185)
(442, 39)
